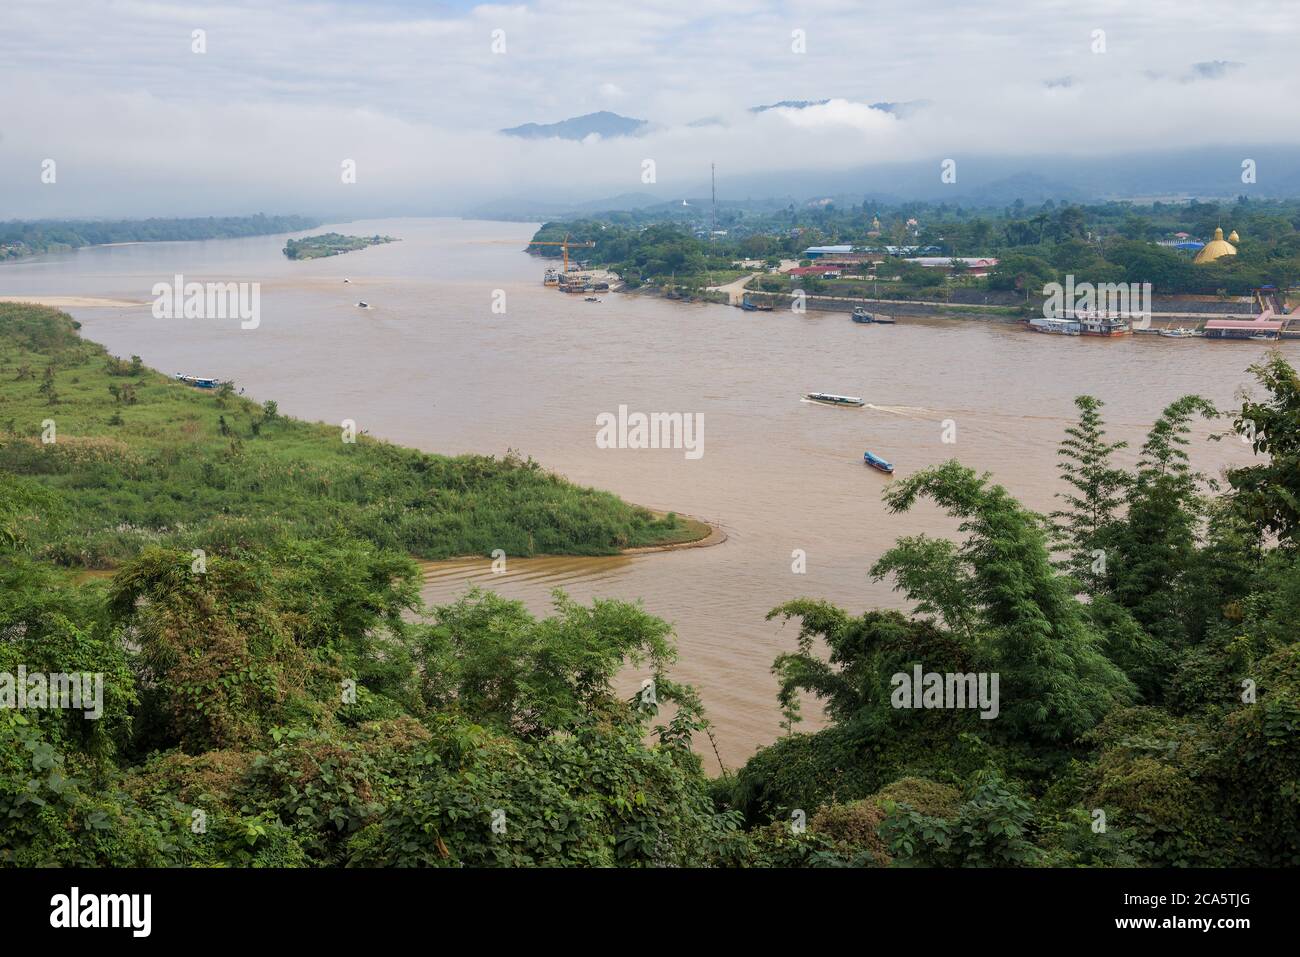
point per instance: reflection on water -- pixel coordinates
(431, 365)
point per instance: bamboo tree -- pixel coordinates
(1083, 530)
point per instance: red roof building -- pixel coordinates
(1242, 328)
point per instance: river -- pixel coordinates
(432, 365)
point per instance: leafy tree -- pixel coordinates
(1084, 530)
(1054, 676)
(1268, 494)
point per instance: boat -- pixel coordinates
(869, 318)
(827, 398)
(363, 304)
(1100, 325)
(197, 381)
(591, 299)
(749, 307)
(1262, 337)
(1054, 326)
(1180, 333)
(347, 280)
(763, 308)
(877, 463)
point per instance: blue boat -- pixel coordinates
(197, 381)
(749, 306)
(877, 463)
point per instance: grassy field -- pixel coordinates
(138, 459)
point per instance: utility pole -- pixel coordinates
(713, 209)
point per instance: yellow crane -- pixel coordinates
(566, 244)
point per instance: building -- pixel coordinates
(975, 265)
(1243, 329)
(1217, 248)
(816, 252)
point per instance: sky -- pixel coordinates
(138, 121)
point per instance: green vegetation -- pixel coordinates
(1099, 243)
(143, 460)
(1150, 682)
(283, 698)
(29, 238)
(331, 244)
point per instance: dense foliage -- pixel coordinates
(140, 460)
(1111, 242)
(288, 700)
(1150, 674)
(28, 238)
(331, 244)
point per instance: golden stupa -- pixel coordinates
(1233, 237)
(1216, 248)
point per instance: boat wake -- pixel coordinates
(908, 411)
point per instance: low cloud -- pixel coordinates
(140, 125)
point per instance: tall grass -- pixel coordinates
(151, 464)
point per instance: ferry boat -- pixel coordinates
(877, 463)
(552, 278)
(827, 398)
(1101, 324)
(197, 381)
(1054, 326)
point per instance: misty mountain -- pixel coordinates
(604, 123)
(982, 181)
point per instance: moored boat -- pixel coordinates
(1054, 326)
(877, 463)
(861, 315)
(1179, 333)
(828, 398)
(197, 381)
(1101, 325)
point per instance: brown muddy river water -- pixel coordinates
(431, 365)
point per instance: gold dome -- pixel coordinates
(1233, 237)
(1216, 248)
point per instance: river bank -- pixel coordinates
(134, 458)
(433, 368)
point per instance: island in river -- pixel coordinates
(330, 244)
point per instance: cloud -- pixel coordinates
(1214, 69)
(141, 125)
